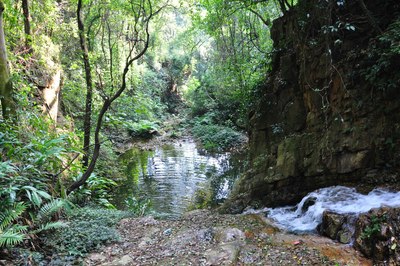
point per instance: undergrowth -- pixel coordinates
(89, 229)
(216, 137)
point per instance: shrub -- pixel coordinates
(217, 138)
(143, 129)
(383, 59)
(139, 207)
(89, 228)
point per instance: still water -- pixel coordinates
(170, 175)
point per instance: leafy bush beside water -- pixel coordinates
(217, 137)
(143, 129)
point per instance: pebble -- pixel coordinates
(167, 232)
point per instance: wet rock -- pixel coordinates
(344, 236)
(308, 203)
(337, 226)
(377, 235)
(348, 133)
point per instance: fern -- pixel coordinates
(17, 228)
(52, 207)
(49, 226)
(10, 238)
(12, 234)
(9, 215)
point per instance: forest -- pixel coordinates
(128, 126)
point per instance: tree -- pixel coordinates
(239, 57)
(89, 85)
(6, 87)
(27, 25)
(137, 38)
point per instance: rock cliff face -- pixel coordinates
(329, 112)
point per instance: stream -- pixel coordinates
(307, 215)
(170, 174)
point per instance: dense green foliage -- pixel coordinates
(215, 137)
(29, 176)
(237, 54)
(384, 56)
(88, 229)
(208, 56)
(38, 159)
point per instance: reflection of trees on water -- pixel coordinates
(222, 180)
(171, 174)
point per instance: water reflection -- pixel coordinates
(171, 174)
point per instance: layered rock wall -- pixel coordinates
(323, 119)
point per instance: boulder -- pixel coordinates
(377, 235)
(336, 226)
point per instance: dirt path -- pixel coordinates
(204, 238)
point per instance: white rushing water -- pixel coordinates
(338, 199)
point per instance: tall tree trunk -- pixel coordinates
(6, 88)
(27, 25)
(89, 86)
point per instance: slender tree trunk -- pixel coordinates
(27, 25)
(6, 88)
(108, 101)
(89, 86)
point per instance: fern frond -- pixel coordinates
(10, 238)
(49, 226)
(17, 228)
(9, 215)
(50, 208)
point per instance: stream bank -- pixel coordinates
(204, 238)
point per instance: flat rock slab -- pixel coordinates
(205, 238)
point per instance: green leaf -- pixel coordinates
(9, 215)
(48, 209)
(36, 199)
(9, 238)
(49, 226)
(44, 194)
